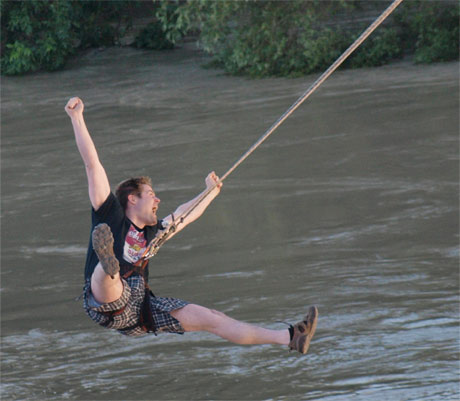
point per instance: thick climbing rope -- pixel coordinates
(158, 241)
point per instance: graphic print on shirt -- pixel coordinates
(135, 244)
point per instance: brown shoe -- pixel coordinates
(103, 246)
(303, 331)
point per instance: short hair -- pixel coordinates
(131, 186)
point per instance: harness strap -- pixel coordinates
(146, 318)
(111, 315)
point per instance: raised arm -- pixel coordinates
(98, 183)
(196, 209)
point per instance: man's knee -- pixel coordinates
(217, 313)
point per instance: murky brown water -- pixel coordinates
(351, 205)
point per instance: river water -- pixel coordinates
(352, 205)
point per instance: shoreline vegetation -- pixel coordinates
(251, 38)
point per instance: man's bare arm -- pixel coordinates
(196, 210)
(98, 183)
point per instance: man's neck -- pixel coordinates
(134, 219)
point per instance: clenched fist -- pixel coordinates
(74, 107)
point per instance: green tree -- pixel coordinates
(164, 31)
(251, 37)
(289, 38)
(435, 27)
(35, 34)
(263, 38)
(42, 34)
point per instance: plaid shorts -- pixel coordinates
(127, 322)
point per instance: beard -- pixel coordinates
(152, 220)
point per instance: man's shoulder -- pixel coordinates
(110, 209)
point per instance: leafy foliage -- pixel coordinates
(40, 34)
(35, 35)
(290, 38)
(436, 29)
(164, 31)
(255, 38)
(379, 49)
(263, 38)
(153, 37)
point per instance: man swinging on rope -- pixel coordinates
(116, 293)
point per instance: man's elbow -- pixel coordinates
(92, 165)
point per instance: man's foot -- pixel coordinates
(103, 246)
(302, 332)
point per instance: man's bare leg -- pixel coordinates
(106, 285)
(104, 288)
(198, 318)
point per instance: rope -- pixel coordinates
(291, 109)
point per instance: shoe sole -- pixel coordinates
(312, 318)
(103, 246)
(311, 321)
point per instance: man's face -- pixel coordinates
(147, 205)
